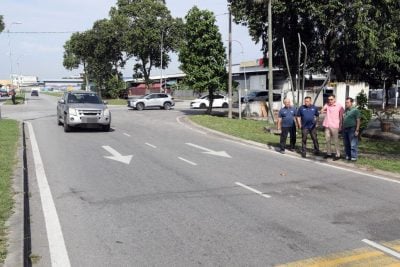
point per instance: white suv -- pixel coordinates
(219, 101)
(160, 100)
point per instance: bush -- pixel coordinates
(362, 106)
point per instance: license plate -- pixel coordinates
(89, 120)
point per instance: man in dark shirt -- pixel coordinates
(307, 118)
(286, 123)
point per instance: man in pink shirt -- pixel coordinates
(333, 122)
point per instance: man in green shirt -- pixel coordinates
(351, 128)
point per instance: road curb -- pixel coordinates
(350, 166)
(15, 224)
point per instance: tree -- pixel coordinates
(357, 39)
(202, 54)
(148, 25)
(1, 23)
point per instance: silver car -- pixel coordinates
(160, 100)
(83, 109)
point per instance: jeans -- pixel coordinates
(313, 134)
(284, 134)
(350, 143)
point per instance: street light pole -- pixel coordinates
(9, 47)
(161, 57)
(245, 81)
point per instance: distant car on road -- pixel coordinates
(163, 101)
(219, 101)
(3, 93)
(259, 96)
(34, 93)
(83, 109)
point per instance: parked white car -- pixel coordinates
(163, 101)
(220, 101)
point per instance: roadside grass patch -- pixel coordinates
(374, 154)
(56, 94)
(117, 101)
(9, 134)
(19, 99)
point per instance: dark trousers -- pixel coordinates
(13, 99)
(313, 134)
(284, 134)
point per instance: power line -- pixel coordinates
(41, 32)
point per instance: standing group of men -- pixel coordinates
(336, 119)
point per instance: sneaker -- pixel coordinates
(317, 152)
(327, 156)
(353, 159)
(303, 155)
(282, 151)
(335, 158)
(347, 158)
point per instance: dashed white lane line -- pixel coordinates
(127, 134)
(253, 190)
(58, 250)
(188, 161)
(150, 145)
(382, 248)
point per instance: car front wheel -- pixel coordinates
(203, 106)
(67, 128)
(106, 128)
(139, 106)
(167, 106)
(225, 105)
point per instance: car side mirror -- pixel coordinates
(61, 101)
(105, 102)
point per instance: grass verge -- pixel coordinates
(117, 101)
(9, 134)
(56, 94)
(19, 99)
(374, 154)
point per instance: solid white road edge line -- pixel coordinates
(127, 134)
(150, 145)
(382, 248)
(178, 119)
(253, 190)
(188, 161)
(58, 250)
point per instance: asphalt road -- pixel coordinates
(177, 203)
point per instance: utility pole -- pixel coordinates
(161, 56)
(230, 64)
(270, 70)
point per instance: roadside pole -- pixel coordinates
(397, 93)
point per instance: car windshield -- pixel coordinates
(84, 98)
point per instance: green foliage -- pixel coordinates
(362, 105)
(1, 23)
(358, 39)
(9, 134)
(146, 25)
(202, 54)
(114, 87)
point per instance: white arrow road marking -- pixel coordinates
(150, 145)
(211, 152)
(253, 190)
(117, 156)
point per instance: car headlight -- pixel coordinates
(106, 112)
(72, 111)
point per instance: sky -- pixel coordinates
(41, 54)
